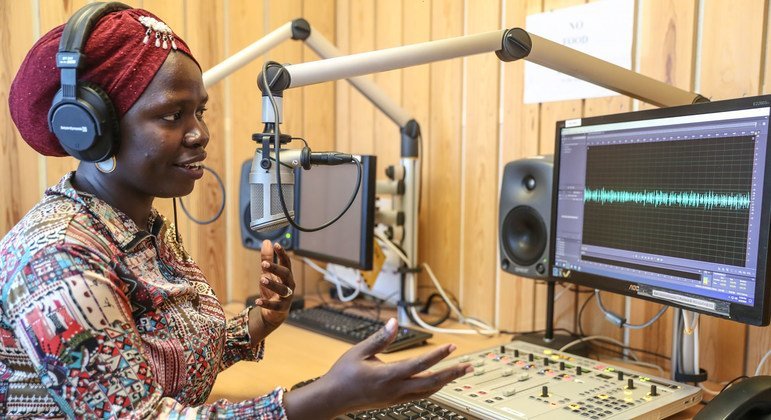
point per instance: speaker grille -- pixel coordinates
(524, 235)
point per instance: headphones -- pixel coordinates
(82, 115)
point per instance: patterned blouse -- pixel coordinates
(99, 318)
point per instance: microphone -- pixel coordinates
(266, 211)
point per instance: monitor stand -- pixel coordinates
(548, 338)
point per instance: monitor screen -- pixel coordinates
(321, 194)
(670, 205)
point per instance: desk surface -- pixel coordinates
(293, 354)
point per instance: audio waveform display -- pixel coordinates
(708, 200)
(687, 199)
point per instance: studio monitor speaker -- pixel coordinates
(524, 216)
(249, 238)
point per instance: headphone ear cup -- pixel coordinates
(87, 127)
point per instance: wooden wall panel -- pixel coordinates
(244, 107)
(519, 139)
(318, 106)
(19, 164)
(415, 96)
(479, 166)
(388, 33)
(204, 21)
(361, 112)
(442, 199)
(731, 52)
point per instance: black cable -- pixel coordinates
(301, 139)
(222, 204)
(426, 307)
(277, 145)
(580, 314)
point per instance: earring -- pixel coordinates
(106, 166)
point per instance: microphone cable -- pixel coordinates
(222, 203)
(277, 146)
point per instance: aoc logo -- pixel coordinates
(634, 288)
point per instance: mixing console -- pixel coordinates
(522, 380)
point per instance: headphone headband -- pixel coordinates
(80, 24)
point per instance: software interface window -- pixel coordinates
(666, 203)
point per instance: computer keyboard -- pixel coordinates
(352, 328)
(420, 409)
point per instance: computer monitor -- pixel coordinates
(321, 194)
(670, 205)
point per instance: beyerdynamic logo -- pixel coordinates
(82, 129)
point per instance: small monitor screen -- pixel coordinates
(670, 205)
(322, 193)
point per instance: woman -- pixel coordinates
(103, 313)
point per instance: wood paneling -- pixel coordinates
(479, 171)
(19, 164)
(441, 198)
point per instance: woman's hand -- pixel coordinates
(359, 379)
(276, 290)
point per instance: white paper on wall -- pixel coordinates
(603, 29)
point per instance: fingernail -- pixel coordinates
(452, 348)
(265, 264)
(278, 246)
(469, 369)
(265, 281)
(390, 325)
(258, 302)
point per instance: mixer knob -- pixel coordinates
(620, 375)
(507, 372)
(544, 391)
(630, 384)
(530, 357)
(578, 370)
(653, 392)
(562, 365)
(516, 352)
(509, 392)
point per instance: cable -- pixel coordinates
(621, 322)
(639, 363)
(599, 338)
(277, 146)
(222, 204)
(478, 326)
(336, 281)
(762, 362)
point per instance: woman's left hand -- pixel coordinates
(276, 288)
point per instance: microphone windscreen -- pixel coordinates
(266, 210)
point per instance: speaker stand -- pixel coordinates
(548, 338)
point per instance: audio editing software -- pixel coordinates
(668, 202)
(524, 381)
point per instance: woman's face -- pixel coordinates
(163, 135)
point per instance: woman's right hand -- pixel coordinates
(359, 379)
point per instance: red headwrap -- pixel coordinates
(118, 58)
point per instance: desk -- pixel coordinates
(293, 354)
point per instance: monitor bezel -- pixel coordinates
(367, 214)
(760, 313)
